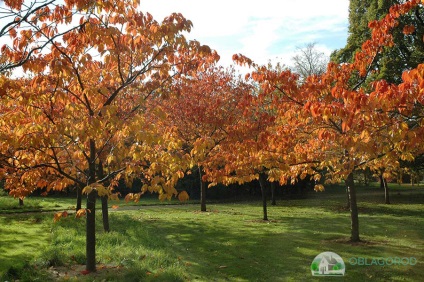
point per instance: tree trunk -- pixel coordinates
(79, 198)
(262, 183)
(202, 191)
(21, 202)
(273, 202)
(91, 232)
(105, 213)
(91, 213)
(383, 185)
(380, 177)
(104, 199)
(353, 209)
(366, 182)
(347, 197)
(386, 192)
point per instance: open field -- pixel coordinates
(230, 242)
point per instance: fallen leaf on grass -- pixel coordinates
(142, 257)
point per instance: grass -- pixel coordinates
(59, 203)
(21, 238)
(227, 243)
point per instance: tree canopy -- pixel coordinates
(115, 94)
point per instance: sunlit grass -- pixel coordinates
(230, 242)
(22, 238)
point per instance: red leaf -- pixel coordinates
(85, 272)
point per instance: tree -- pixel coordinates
(202, 113)
(315, 266)
(391, 61)
(339, 127)
(80, 105)
(251, 150)
(309, 61)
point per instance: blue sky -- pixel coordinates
(261, 30)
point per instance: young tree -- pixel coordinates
(340, 127)
(202, 113)
(251, 150)
(79, 107)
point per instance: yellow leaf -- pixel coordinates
(87, 190)
(128, 197)
(162, 197)
(132, 197)
(102, 191)
(317, 177)
(110, 159)
(365, 136)
(59, 215)
(80, 213)
(319, 188)
(183, 196)
(180, 174)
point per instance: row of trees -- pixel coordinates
(114, 94)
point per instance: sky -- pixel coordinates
(261, 30)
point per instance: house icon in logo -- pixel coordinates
(328, 264)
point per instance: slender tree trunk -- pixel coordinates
(79, 198)
(347, 197)
(353, 209)
(386, 192)
(91, 213)
(273, 202)
(105, 213)
(262, 183)
(383, 185)
(380, 177)
(21, 202)
(202, 191)
(104, 199)
(91, 232)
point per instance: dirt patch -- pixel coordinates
(61, 273)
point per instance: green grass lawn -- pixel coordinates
(10, 205)
(230, 242)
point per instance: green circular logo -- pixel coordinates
(328, 264)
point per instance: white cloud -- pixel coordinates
(261, 30)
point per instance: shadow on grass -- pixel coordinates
(231, 243)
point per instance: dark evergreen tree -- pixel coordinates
(391, 62)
